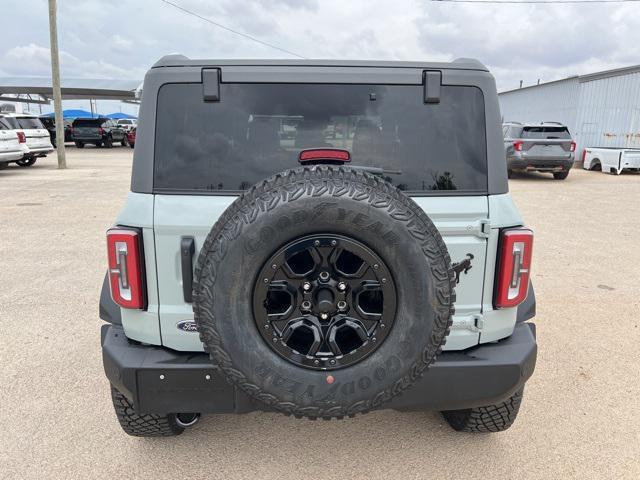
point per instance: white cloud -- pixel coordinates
(107, 39)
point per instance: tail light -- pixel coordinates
(22, 138)
(126, 267)
(517, 146)
(573, 146)
(330, 154)
(514, 267)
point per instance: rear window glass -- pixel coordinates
(87, 122)
(4, 124)
(12, 122)
(29, 123)
(125, 122)
(256, 130)
(545, 132)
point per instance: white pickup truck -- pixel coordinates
(611, 160)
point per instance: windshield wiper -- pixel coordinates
(375, 170)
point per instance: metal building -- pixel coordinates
(601, 109)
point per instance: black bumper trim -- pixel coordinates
(159, 380)
(108, 311)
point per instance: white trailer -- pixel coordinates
(611, 160)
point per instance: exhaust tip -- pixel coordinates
(187, 419)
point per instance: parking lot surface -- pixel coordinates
(579, 418)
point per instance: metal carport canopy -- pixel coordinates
(82, 88)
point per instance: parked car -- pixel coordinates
(131, 137)
(317, 279)
(611, 160)
(50, 124)
(98, 131)
(127, 124)
(539, 147)
(36, 136)
(13, 145)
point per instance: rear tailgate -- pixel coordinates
(37, 137)
(9, 141)
(630, 159)
(462, 222)
(87, 133)
(550, 143)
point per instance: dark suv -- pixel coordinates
(539, 147)
(50, 124)
(98, 131)
(320, 239)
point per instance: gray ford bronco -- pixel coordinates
(319, 239)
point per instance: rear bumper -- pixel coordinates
(39, 151)
(159, 380)
(11, 156)
(540, 164)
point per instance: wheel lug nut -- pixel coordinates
(266, 280)
(376, 266)
(342, 286)
(317, 243)
(332, 362)
(274, 266)
(324, 276)
(342, 305)
(306, 305)
(306, 286)
(333, 243)
(384, 280)
(324, 316)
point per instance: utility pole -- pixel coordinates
(55, 81)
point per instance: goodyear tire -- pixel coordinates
(358, 209)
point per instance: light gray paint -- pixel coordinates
(459, 219)
(142, 326)
(601, 110)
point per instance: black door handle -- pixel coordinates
(187, 249)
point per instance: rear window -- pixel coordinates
(87, 122)
(546, 133)
(256, 130)
(125, 122)
(12, 122)
(4, 124)
(29, 123)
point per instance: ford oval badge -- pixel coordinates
(187, 326)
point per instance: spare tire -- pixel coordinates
(323, 292)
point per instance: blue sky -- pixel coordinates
(121, 39)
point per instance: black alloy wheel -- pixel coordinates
(324, 301)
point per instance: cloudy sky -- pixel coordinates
(121, 39)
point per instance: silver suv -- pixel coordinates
(539, 147)
(313, 238)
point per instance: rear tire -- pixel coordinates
(492, 418)
(79, 144)
(561, 175)
(124, 142)
(108, 143)
(150, 425)
(26, 162)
